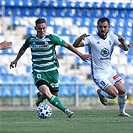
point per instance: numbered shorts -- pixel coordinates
(104, 79)
(47, 78)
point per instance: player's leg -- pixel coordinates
(106, 82)
(121, 99)
(54, 100)
(104, 93)
(47, 83)
(109, 92)
(116, 81)
(52, 82)
(44, 77)
(102, 98)
(112, 91)
(41, 97)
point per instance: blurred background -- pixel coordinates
(68, 19)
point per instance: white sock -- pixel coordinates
(122, 102)
(104, 93)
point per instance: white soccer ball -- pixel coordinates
(44, 111)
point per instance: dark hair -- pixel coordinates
(103, 20)
(40, 20)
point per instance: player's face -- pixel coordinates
(103, 28)
(41, 30)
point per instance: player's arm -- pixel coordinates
(20, 53)
(78, 42)
(130, 45)
(4, 45)
(122, 45)
(84, 57)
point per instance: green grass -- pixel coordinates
(83, 121)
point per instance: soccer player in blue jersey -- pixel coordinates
(4, 45)
(45, 64)
(101, 46)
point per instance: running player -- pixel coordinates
(101, 46)
(45, 64)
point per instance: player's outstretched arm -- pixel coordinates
(20, 53)
(4, 45)
(122, 45)
(78, 42)
(121, 39)
(84, 57)
(130, 45)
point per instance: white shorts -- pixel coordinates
(105, 78)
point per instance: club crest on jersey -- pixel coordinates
(104, 52)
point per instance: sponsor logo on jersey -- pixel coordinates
(42, 45)
(39, 46)
(104, 58)
(115, 77)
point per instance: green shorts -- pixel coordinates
(50, 78)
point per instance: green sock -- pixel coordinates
(56, 102)
(43, 97)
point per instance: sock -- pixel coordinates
(122, 102)
(56, 102)
(104, 93)
(43, 97)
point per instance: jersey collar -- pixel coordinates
(41, 38)
(101, 37)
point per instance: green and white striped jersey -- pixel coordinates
(43, 52)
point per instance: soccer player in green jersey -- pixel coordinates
(45, 64)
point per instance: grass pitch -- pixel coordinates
(83, 121)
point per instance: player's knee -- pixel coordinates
(55, 93)
(115, 94)
(122, 91)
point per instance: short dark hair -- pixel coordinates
(103, 19)
(40, 20)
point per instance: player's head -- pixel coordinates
(40, 27)
(103, 25)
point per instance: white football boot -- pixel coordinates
(69, 113)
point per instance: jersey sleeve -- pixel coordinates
(57, 40)
(26, 43)
(115, 38)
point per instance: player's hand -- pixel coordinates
(86, 57)
(130, 45)
(121, 39)
(84, 35)
(13, 64)
(4, 45)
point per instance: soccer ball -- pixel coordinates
(44, 111)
